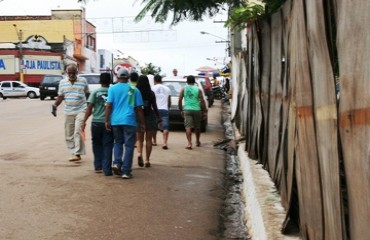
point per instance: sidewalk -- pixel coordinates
(44, 196)
(178, 198)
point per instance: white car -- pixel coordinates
(92, 79)
(175, 85)
(10, 89)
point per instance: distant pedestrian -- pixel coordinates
(124, 106)
(152, 119)
(74, 91)
(163, 98)
(227, 85)
(134, 76)
(216, 83)
(194, 110)
(102, 139)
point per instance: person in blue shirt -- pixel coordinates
(124, 108)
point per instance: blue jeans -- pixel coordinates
(124, 135)
(102, 144)
(165, 118)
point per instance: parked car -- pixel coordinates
(207, 87)
(175, 85)
(93, 80)
(17, 89)
(49, 86)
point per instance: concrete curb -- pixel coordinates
(264, 211)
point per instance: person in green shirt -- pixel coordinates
(134, 77)
(194, 110)
(102, 139)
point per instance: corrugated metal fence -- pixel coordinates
(315, 147)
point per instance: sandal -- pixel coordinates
(140, 161)
(198, 144)
(165, 147)
(147, 164)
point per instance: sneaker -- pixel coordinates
(75, 158)
(98, 170)
(127, 176)
(116, 169)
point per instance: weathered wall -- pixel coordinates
(314, 146)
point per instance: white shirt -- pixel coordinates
(162, 93)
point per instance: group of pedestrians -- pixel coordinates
(124, 116)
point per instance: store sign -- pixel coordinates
(37, 64)
(44, 65)
(32, 64)
(7, 64)
(2, 64)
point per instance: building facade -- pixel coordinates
(33, 46)
(105, 60)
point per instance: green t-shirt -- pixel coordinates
(191, 97)
(98, 98)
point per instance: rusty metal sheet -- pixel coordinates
(325, 115)
(353, 45)
(248, 83)
(255, 101)
(307, 161)
(265, 87)
(281, 179)
(276, 98)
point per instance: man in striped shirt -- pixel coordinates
(73, 91)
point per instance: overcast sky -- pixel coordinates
(181, 46)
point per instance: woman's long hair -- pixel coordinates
(144, 87)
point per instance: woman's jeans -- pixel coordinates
(124, 135)
(102, 144)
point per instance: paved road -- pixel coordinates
(43, 196)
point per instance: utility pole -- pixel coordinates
(224, 40)
(20, 47)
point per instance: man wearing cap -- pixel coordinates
(124, 106)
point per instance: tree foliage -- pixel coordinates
(239, 16)
(149, 68)
(241, 11)
(180, 9)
